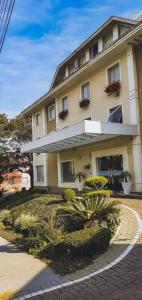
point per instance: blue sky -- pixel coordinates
(41, 34)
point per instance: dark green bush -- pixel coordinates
(86, 242)
(33, 245)
(69, 194)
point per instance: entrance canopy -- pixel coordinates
(82, 133)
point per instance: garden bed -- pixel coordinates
(66, 232)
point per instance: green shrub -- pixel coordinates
(86, 242)
(101, 193)
(112, 220)
(33, 245)
(69, 194)
(96, 182)
(6, 217)
(25, 222)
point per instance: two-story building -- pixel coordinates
(90, 120)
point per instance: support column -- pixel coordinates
(100, 44)
(134, 118)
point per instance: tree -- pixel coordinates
(13, 133)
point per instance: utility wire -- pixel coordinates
(6, 8)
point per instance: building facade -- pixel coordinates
(90, 121)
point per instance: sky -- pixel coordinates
(41, 34)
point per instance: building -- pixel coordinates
(14, 182)
(90, 121)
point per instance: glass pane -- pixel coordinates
(85, 91)
(116, 114)
(108, 40)
(67, 171)
(65, 103)
(114, 73)
(40, 173)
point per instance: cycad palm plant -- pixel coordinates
(89, 208)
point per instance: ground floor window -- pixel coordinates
(67, 171)
(111, 167)
(39, 173)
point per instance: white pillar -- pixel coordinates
(44, 121)
(87, 54)
(134, 118)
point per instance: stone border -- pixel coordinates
(110, 265)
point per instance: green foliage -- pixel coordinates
(86, 242)
(6, 217)
(33, 245)
(88, 208)
(25, 222)
(101, 193)
(96, 182)
(69, 194)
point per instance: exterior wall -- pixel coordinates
(86, 155)
(52, 170)
(138, 53)
(100, 101)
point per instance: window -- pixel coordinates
(39, 173)
(65, 103)
(115, 114)
(72, 68)
(51, 112)
(114, 73)
(81, 60)
(85, 91)
(94, 50)
(67, 171)
(108, 40)
(38, 119)
(123, 30)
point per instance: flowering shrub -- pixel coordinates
(114, 87)
(84, 103)
(96, 182)
(63, 114)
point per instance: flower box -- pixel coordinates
(84, 103)
(113, 88)
(63, 114)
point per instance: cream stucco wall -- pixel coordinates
(100, 101)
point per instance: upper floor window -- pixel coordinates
(51, 112)
(81, 59)
(65, 103)
(113, 73)
(108, 39)
(123, 30)
(71, 68)
(85, 91)
(115, 114)
(39, 173)
(93, 50)
(38, 119)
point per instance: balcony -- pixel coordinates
(83, 133)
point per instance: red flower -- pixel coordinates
(114, 87)
(84, 103)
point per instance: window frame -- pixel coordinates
(64, 161)
(81, 96)
(49, 107)
(105, 34)
(120, 104)
(38, 114)
(111, 66)
(65, 96)
(36, 173)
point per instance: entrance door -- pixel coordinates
(111, 167)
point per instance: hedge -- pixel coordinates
(85, 242)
